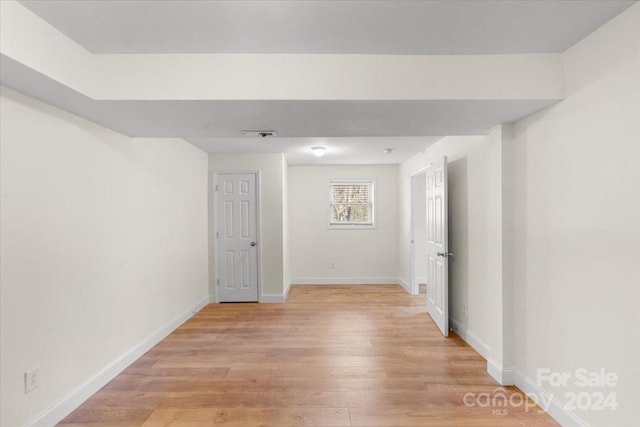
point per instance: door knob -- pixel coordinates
(253, 243)
(444, 254)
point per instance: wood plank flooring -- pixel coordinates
(331, 356)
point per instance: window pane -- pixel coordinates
(351, 203)
(349, 213)
(350, 193)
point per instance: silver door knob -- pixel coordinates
(253, 243)
(444, 254)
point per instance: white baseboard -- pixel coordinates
(66, 405)
(345, 281)
(405, 286)
(470, 338)
(281, 298)
(332, 281)
(546, 401)
(504, 376)
(286, 290)
(277, 298)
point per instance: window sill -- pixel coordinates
(352, 227)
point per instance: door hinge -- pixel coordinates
(218, 282)
(216, 188)
(217, 234)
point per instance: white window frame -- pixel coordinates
(374, 205)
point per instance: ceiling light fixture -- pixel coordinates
(387, 150)
(318, 151)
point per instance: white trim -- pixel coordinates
(276, 298)
(333, 281)
(352, 226)
(268, 298)
(546, 401)
(345, 281)
(415, 281)
(504, 376)
(405, 286)
(281, 298)
(67, 404)
(373, 225)
(214, 227)
(421, 170)
(286, 290)
(472, 339)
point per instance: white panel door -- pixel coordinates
(438, 245)
(237, 238)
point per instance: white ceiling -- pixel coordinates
(371, 27)
(356, 131)
(340, 150)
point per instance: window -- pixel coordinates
(352, 204)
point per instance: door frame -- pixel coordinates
(415, 286)
(214, 226)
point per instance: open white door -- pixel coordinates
(438, 245)
(237, 237)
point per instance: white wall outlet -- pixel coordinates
(464, 308)
(332, 264)
(31, 379)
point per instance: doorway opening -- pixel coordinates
(419, 233)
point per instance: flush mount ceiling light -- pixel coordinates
(387, 150)
(260, 133)
(318, 151)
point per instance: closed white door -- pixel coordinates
(237, 237)
(438, 245)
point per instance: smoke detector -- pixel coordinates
(258, 133)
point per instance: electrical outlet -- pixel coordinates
(332, 264)
(31, 379)
(464, 309)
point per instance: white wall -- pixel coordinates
(474, 232)
(103, 242)
(544, 227)
(271, 240)
(577, 222)
(370, 253)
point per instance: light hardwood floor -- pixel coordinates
(331, 356)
